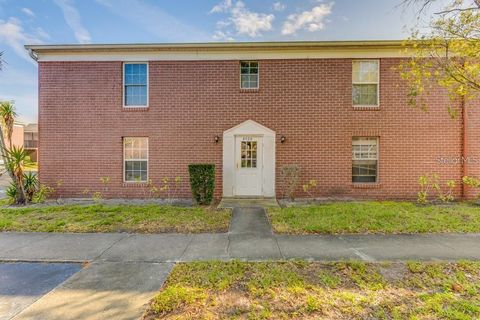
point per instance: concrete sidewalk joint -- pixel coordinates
(245, 246)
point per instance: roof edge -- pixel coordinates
(220, 45)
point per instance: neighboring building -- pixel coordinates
(338, 110)
(17, 135)
(17, 138)
(25, 136)
(30, 142)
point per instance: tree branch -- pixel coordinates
(456, 10)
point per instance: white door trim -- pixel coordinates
(249, 128)
(248, 180)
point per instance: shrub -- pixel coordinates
(11, 193)
(202, 182)
(30, 187)
(433, 182)
(423, 181)
(472, 183)
(30, 183)
(308, 187)
(290, 175)
(42, 194)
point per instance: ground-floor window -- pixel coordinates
(365, 159)
(135, 155)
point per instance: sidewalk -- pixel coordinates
(248, 239)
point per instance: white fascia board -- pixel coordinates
(195, 55)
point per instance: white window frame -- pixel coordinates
(258, 74)
(124, 160)
(377, 83)
(357, 140)
(148, 84)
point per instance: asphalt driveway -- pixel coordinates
(21, 284)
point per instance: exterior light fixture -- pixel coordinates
(283, 139)
(216, 139)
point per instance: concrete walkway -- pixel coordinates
(232, 203)
(102, 290)
(249, 238)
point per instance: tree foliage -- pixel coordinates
(447, 54)
(13, 157)
(7, 117)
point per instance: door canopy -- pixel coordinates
(249, 128)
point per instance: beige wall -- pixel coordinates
(17, 136)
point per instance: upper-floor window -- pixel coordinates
(365, 159)
(135, 155)
(135, 84)
(249, 75)
(365, 79)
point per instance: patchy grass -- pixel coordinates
(301, 290)
(114, 218)
(376, 217)
(32, 166)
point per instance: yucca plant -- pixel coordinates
(30, 184)
(7, 117)
(17, 157)
(11, 193)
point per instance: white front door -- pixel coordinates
(249, 165)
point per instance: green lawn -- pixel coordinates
(114, 218)
(301, 290)
(376, 217)
(32, 166)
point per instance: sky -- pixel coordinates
(139, 21)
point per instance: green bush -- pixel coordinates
(202, 182)
(11, 193)
(30, 184)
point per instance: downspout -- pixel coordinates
(32, 54)
(463, 146)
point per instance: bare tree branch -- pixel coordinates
(425, 4)
(456, 10)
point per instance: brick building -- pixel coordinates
(338, 110)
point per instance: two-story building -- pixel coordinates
(338, 110)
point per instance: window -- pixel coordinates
(135, 155)
(365, 78)
(364, 159)
(249, 75)
(249, 154)
(135, 82)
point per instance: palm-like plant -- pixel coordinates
(16, 158)
(7, 116)
(30, 183)
(7, 113)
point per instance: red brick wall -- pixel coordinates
(309, 101)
